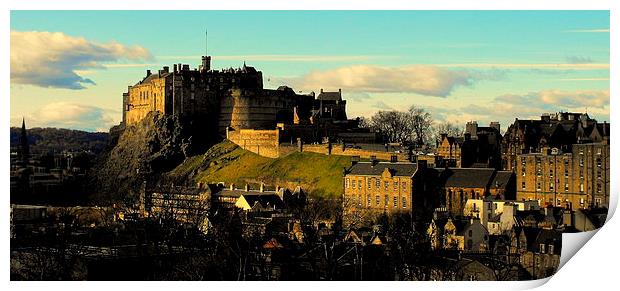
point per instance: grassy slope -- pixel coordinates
(320, 175)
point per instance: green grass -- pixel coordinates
(319, 175)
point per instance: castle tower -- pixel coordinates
(205, 65)
(24, 147)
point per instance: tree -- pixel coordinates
(446, 127)
(420, 122)
(393, 125)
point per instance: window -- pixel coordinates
(599, 163)
(581, 187)
(395, 201)
(598, 187)
(404, 202)
(347, 183)
(470, 233)
(378, 183)
(542, 248)
(359, 200)
(551, 249)
(387, 185)
(377, 200)
(538, 186)
(551, 186)
(396, 185)
(368, 201)
(353, 184)
(523, 185)
(368, 182)
(387, 201)
(359, 184)
(404, 186)
(566, 187)
(598, 201)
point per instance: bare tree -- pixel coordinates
(449, 128)
(393, 124)
(420, 122)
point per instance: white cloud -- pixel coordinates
(419, 79)
(70, 115)
(54, 59)
(598, 30)
(559, 98)
(523, 66)
(286, 58)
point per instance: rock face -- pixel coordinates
(143, 151)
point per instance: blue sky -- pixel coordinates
(70, 68)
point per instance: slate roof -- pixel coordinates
(501, 179)
(264, 200)
(468, 177)
(226, 192)
(397, 169)
(329, 96)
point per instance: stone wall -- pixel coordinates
(337, 149)
(261, 142)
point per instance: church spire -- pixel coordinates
(24, 147)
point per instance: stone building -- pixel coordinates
(576, 179)
(180, 203)
(461, 184)
(558, 130)
(375, 188)
(479, 146)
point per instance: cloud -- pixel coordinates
(71, 115)
(54, 59)
(560, 98)
(287, 58)
(419, 79)
(579, 60)
(560, 66)
(382, 106)
(599, 30)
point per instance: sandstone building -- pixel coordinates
(576, 179)
(392, 188)
(558, 130)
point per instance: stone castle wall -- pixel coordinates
(261, 142)
(256, 109)
(364, 154)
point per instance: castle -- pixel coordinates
(235, 95)
(235, 101)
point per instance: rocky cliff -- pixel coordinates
(143, 151)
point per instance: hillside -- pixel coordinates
(318, 174)
(44, 140)
(142, 152)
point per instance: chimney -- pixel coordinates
(373, 160)
(262, 187)
(321, 90)
(148, 73)
(247, 187)
(232, 186)
(175, 68)
(393, 159)
(166, 69)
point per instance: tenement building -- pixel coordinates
(575, 179)
(558, 130)
(391, 188)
